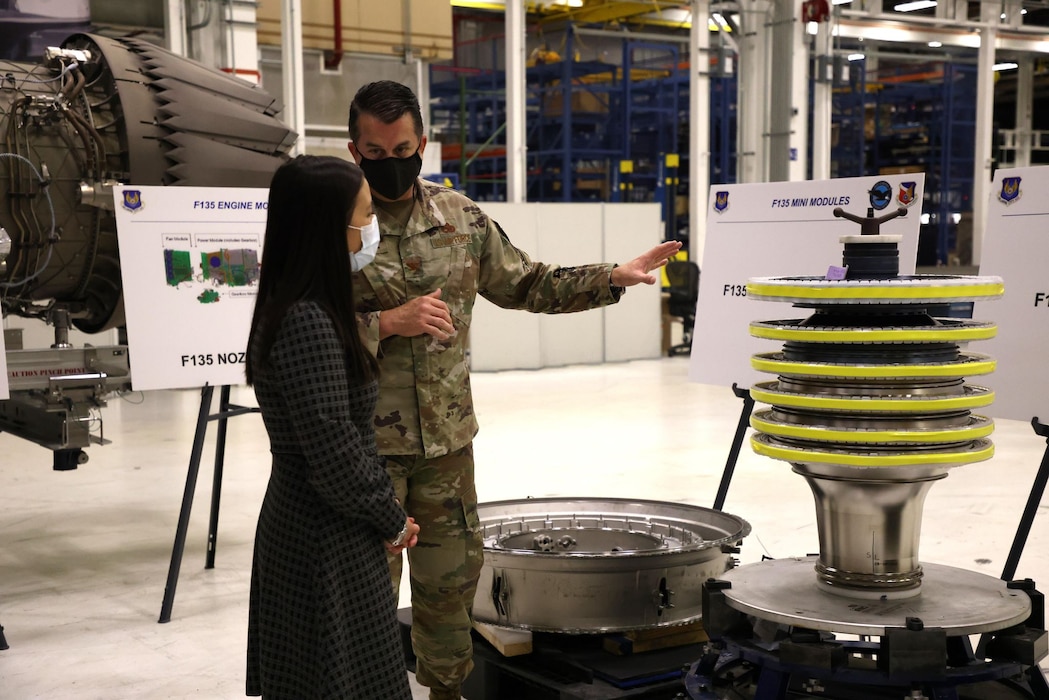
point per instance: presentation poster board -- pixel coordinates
(782, 229)
(189, 260)
(1016, 248)
(5, 391)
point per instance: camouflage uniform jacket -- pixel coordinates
(425, 406)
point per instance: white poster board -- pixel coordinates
(189, 260)
(5, 391)
(1016, 248)
(781, 229)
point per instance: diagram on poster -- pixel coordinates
(218, 270)
(782, 229)
(190, 259)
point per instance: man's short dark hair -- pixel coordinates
(387, 101)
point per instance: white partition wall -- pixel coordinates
(633, 327)
(571, 234)
(501, 339)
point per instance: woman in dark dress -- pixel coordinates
(322, 613)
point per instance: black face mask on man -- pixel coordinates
(392, 177)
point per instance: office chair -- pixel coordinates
(684, 291)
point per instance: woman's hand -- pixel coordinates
(411, 538)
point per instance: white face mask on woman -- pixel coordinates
(369, 244)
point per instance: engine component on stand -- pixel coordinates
(871, 407)
(94, 113)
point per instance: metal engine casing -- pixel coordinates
(593, 565)
(101, 111)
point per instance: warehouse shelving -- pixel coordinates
(922, 119)
(849, 115)
(595, 130)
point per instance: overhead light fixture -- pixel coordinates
(856, 57)
(840, 2)
(1005, 66)
(915, 5)
(935, 44)
(539, 3)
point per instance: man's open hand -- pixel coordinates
(636, 271)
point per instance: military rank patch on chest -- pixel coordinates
(447, 241)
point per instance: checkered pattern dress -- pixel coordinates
(322, 613)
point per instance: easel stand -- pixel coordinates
(737, 443)
(1035, 498)
(1023, 530)
(225, 412)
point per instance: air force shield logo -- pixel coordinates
(720, 201)
(132, 200)
(906, 194)
(1010, 190)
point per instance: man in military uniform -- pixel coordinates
(438, 251)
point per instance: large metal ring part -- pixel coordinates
(959, 601)
(967, 365)
(590, 565)
(802, 330)
(856, 456)
(862, 400)
(913, 289)
(871, 406)
(779, 423)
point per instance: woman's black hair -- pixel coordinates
(305, 256)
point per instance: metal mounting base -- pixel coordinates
(956, 600)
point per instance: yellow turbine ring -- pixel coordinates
(951, 331)
(977, 451)
(915, 289)
(979, 427)
(974, 397)
(968, 364)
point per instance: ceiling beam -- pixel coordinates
(603, 12)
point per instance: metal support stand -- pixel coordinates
(737, 443)
(1037, 489)
(225, 412)
(758, 674)
(3, 641)
(1023, 530)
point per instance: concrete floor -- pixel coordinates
(84, 554)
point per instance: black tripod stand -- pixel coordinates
(226, 411)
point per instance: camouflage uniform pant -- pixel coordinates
(443, 567)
